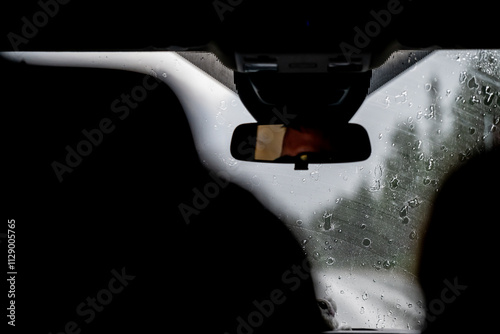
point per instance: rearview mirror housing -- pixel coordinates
(277, 143)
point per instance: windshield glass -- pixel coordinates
(361, 224)
(364, 227)
(364, 237)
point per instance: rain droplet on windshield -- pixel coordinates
(327, 219)
(430, 164)
(394, 183)
(401, 98)
(403, 212)
(462, 77)
(315, 175)
(472, 84)
(413, 203)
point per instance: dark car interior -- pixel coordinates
(107, 249)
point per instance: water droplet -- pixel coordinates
(448, 92)
(316, 255)
(413, 235)
(414, 203)
(164, 75)
(401, 98)
(153, 73)
(220, 119)
(489, 95)
(299, 222)
(315, 175)
(472, 83)
(330, 261)
(304, 241)
(362, 310)
(363, 226)
(430, 164)
(404, 211)
(327, 219)
(432, 112)
(474, 99)
(364, 296)
(405, 220)
(366, 242)
(462, 77)
(387, 101)
(387, 264)
(427, 86)
(394, 183)
(376, 186)
(380, 136)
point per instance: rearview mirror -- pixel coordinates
(300, 145)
